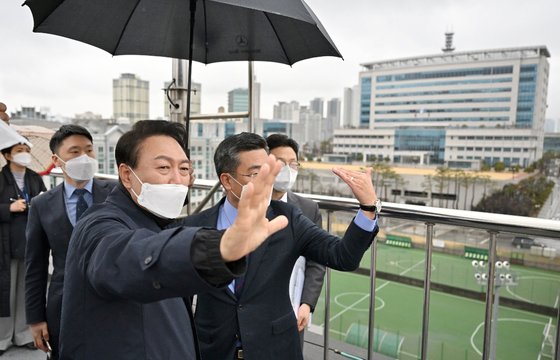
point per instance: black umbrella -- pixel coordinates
(283, 31)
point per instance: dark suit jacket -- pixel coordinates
(263, 317)
(314, 272)
(124, 285)
(12, 227)
(49, 231)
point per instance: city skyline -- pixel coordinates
(43, 70)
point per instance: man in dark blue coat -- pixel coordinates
(51, 221)
(127, 275)
(252, 318)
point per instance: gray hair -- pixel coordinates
(226, 157)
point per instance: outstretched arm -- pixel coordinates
(361, 185)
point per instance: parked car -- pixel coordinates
(523, 242)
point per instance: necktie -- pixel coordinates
(239, 281)
(81, 205)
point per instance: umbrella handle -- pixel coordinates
(48, 170)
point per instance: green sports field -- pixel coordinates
(456, 323)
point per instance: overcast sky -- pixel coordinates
(70, 77)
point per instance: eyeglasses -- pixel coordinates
(250, 176)
(294, 165)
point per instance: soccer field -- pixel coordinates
(456, 324)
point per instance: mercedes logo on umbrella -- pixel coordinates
(241, 40)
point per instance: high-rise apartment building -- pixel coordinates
(458, 109)
(351, 107)
(334, 110)
(131, 98)
(317, 106)
(238, 100)
(286, 111)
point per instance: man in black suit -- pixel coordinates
(307, 276)
(51, 221)
(252, 318)
(128, 275)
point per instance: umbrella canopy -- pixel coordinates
(9, 136)
(37, 138)
(207, 31)
(283, 31)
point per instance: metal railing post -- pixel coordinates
(427, 282)
(327, 286)
(487, 347)
(209, 196)
(557, 342)
(251, 118)
(372, 282)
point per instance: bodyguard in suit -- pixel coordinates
(127, 274)
(307, 276)
(252, 318)
(51, 221)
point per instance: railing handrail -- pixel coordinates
(475, 219)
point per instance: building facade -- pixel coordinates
(131, 98)
(104, 144)
(458, 109)
(552, 142)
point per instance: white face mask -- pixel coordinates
(163, 200)
(22, 158)
(285, 179)
(243, 188)
(81, 168)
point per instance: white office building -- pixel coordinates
(456, 109)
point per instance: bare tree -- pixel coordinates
(466, 183)
(441, 181)
(457, 176)
(475, 177)
(399, 184)
(427, 186)
(485, 180)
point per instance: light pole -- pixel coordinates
(502, 277)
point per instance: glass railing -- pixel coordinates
(447, 284)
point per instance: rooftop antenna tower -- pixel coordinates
(448, 42)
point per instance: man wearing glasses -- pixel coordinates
(307, 276)
(252, 318)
